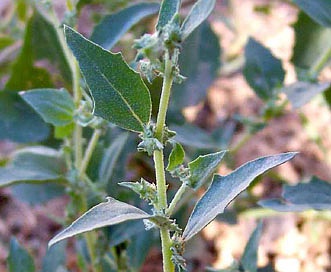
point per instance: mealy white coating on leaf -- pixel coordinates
(104, 214)
(225, 188)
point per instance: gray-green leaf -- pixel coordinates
(119, 94)
(104, 214)
(315, 194)
(300, 93)
(54, 106)
(319, 10)
(312, 41)
(262, 70)
(225, 188)
(199, 12)
(55, 258)
(168, 9)
(199, 61)
(33, 164)
(176, 157)
(249, 258)
(112, 27)
(19, 260)
(203, 167)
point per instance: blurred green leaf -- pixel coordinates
(319, 10)
(199, 61)
(312, 43)
(18, 121)
(199, 12)
(315, 194)
(300, 93)
(176, 157)
(109, 31)
(263, 72)
(55, 258)
(104, 214)
(110, 158)
(119, 94)
(203, 167)
(40, 43)
(36, 194)
(33, 164)
(249, 258)
(54, 106)
(225, 188)
(5, 41)
(19, 260)
(168, 9)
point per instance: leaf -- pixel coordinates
(203, 167)
(176, 157)
(168, 9)
(318, 10)
(315, 194)
(193, 136)
(312, 41)
(300, 93)
(199, 12)
(18, 122)
(225, 188)
(104, 214)
(110, 158)
(25, 75)
(119, 93)
(19, 260)
(55, 258)
(262, 70)
(36, 194)
(249, 258)
(5, 41)
(199, 61)
(112, 27)
(33, 164)
(54, 106)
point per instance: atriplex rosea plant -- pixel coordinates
(117, 95)
(120, 96)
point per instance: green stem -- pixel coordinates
(168, 265)
(320, 63)
(178, 196)
(89, 151)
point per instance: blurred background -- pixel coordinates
(258, 84)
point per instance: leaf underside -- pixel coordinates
(225, 188)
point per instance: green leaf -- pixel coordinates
(225, 188)
(36, 194)
(199, 61)
(19, 260)
(199, 12)
(203, 167)
(55, 258)
(18, 121)
(168, 9)
(262, 70)
(5, 41)
(54, 106)
(119, 94)
(110, 158)
(315, 194)
(300, 93)
(40, 43)
(33, 164)
(112, 27)
(104, 214)
(249, 258)
(319, 10)
(312, 42)
(176, 157)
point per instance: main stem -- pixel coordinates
(168, 265)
